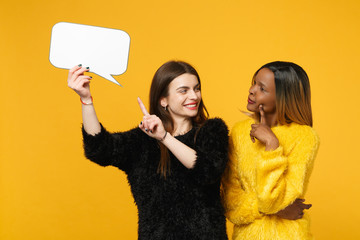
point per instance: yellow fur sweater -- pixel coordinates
(259, 183)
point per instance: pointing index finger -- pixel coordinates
(308, 206)
(142, 107)
(262, 115)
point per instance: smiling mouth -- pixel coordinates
(191, 106)
(250, 101)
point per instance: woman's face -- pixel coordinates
(184, 97)
(263, 92)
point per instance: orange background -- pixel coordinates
(48, 190)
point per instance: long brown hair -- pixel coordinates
(159, 89)
(293, 98)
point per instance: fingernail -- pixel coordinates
(80, 65)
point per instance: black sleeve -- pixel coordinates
(211, 146)
(116, 149)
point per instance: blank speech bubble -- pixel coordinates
(104, 50)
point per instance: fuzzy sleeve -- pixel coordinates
(283, 177)
(117, 149)
(239, 201)
(211, 146)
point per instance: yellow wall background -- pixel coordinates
(48, 190)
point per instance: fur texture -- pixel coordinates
(185, 205)
(259, 183)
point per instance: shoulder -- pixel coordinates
(214, 128)
(303, 133)
(215, 124)
(304, 130)
(242, 126)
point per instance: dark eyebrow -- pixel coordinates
(186, 87)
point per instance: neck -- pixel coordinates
(182, 126)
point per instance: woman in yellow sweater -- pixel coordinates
(271, 156)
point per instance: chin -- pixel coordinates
(251, 109)
(193, 115)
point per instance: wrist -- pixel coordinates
(163, 138)
(86, 100)
(272, 144)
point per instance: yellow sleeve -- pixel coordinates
(282, 178)
(240, 205)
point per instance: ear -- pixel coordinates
(163, 102)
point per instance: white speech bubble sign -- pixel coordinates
(104, 50)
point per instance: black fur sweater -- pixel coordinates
(186, 205)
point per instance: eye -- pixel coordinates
(262, 89)
(183, 91)
(197, 89)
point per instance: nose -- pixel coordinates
(252, 89)
(193, 95)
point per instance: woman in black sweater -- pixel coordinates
(173, 160)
